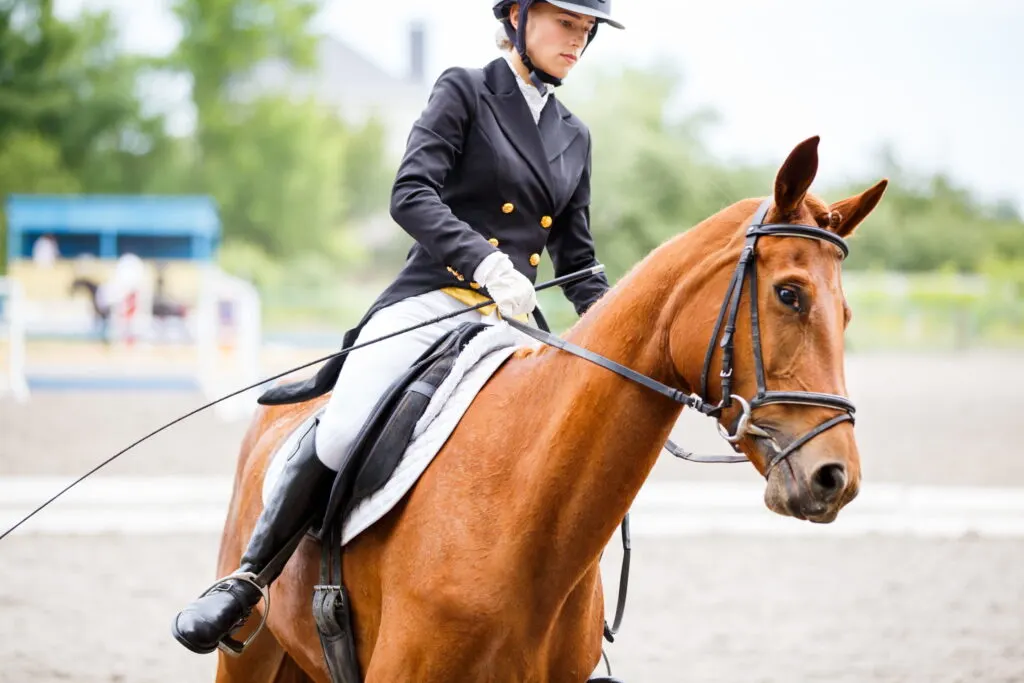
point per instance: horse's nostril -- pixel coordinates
(828, 481)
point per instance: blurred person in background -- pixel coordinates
(496, 169)
(118, 294)
(45, 251)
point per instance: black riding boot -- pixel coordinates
(301, 490)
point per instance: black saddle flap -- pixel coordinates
(386, 447)
(380, 444)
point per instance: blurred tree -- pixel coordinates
(368, 172)
(929, 223)
(652, 175)
(278, 182)
(286, 173)
(29, 164)
(65, 82)
(224, 39)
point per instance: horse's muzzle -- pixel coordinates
(815, 491)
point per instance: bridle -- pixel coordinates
(746, 271)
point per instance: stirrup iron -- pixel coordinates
(227, 644)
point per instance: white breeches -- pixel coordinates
(368, 372)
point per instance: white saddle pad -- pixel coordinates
(474, 366)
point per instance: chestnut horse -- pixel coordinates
(488, 570)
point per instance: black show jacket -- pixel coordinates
(479, 175)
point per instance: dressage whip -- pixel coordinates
(571, 277)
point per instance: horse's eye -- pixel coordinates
(789, 296)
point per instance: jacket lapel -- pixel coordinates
(556, 131)
(513, 115)
(559, 134)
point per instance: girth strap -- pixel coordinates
(332, 612)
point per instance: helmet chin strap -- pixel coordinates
(540, 78)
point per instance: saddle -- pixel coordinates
(380, 444)
(370, 462)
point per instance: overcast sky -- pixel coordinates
(941, 80)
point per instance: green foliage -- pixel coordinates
(930, 223)
(223, 39)
(250, 262)
(287, 174)
(367, 171)
(936, 310)
(69, 117)
(653, 177)
(275, 172)
(64, 82)
(29, 163)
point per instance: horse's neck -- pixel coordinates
(607, 431)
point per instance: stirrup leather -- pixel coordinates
(227, 644)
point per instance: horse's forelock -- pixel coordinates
(820, 210)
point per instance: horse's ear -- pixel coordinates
(796, 175)
(848, 213)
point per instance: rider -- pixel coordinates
(496, 169)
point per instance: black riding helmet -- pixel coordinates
(599, 9)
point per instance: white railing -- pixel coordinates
(228, 339)
(12, 325)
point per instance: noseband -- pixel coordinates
(746, 270)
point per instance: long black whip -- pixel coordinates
(571, 277)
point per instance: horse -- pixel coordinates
(488, 569)
(101, 313)
(163, 308)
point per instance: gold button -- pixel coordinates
(545, 222)
(474, 285)
(534, 259)
(507, 207)
(493, 241)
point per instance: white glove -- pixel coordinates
(511, 290)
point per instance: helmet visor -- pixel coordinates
(588, 8)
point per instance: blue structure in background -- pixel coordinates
(108, 226)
